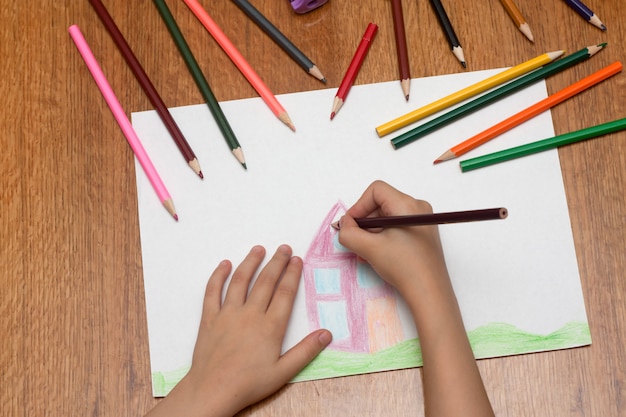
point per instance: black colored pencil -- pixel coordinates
(448, 30)
(428, 219)
(280, 39)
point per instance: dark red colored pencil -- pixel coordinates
(147, 86)
(403, 56)
(428, 219)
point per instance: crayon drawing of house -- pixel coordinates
(346, 296)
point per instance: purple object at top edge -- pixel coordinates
(303, 6)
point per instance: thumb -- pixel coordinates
(300, 355)
(353, 237)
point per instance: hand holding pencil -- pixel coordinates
(411, 259)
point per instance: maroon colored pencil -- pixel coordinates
(147, 86)
(403, 56)
(428, 219)
(354, 68)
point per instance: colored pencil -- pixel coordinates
(467, 92)
(281, 40)
(201, 81)
(517, 17)
(353, 68)
(122, 119)
(429, 219)
(543, 145)
(401, 48)
(448, 30)
(495, 95)
(584, 11)
(241, 63)
(147, 86)
(530, 112)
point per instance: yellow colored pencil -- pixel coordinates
(467, 92)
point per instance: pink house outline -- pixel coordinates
(344, 295)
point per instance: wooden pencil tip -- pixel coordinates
(335, 225)
(244, 165)
(436, 161)
(201, 175)
(332, 115)
(464, 64)
(175, 216)
(406, 97)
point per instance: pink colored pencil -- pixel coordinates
(241, 63)
(122, 119)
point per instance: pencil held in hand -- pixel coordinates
(429, 219)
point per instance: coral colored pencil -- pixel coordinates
(530, 112)
(241, 63)
(122, 119)
(353, 68)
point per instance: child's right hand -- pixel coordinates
(403, 256)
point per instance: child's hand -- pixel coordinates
(398, 254)
(237, 360)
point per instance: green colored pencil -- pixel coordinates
(543, 145)
(201, 81)
(504, 91)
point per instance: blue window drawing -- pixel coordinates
(367, 277)
(333, 316)
(327, 280)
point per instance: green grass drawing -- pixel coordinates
(492, 340)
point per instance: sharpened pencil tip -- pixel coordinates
(244, 165)
(175, 217)
(332, 115)
(464, 64)
(436, 161)
(407, 97)
(201, 175)
(324, 80)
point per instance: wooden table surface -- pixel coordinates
(73, 338)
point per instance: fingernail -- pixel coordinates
(325, 337)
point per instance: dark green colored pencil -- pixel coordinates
(201, 81)
(495, 95)
(543, 145)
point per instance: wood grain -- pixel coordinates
(73, 336)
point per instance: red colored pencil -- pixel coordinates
(354, 68)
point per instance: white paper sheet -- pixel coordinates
(521, 272)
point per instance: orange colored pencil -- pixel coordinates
(241, 63)
(530, 112)
(518, 18)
